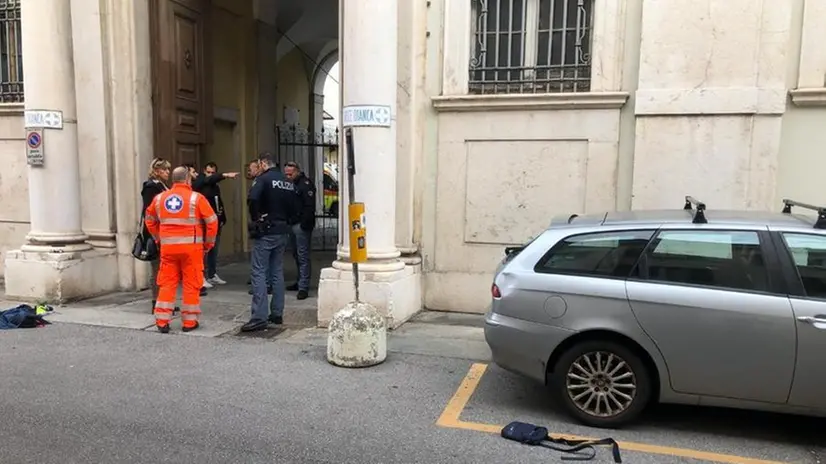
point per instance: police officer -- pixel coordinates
(302, 233)
(273, 208)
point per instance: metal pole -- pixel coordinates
(351, 193)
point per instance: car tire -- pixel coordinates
(573, 386)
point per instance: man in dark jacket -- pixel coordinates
(207, 185)
(302, 230)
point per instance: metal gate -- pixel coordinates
(317, 154)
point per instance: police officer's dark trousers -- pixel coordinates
(301, 252)
(268, 255)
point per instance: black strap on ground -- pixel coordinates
(577, 450)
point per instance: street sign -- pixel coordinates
(44, 118)
(34, 147)
(366, 116)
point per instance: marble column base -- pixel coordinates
(396, 294)
(57, 275)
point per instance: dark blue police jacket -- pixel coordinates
(272, 199)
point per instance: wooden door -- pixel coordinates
(181, 94)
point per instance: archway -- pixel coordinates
(323, 123)
(324, 112)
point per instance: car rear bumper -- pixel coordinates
(520, 346)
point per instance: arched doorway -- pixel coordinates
(324, 107)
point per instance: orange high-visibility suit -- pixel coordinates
(176, 220)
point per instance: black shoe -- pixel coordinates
(164, 329)
(153, 307)
(276, 320)
(292, 287)
(190, 329)
(204, 291)
(302, 295)
(254, 326)
(176, 310)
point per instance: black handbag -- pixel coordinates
(581, 450)
(144, 247)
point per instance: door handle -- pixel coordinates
(812, 319)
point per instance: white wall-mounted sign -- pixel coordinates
(366, 116)
(47, 119)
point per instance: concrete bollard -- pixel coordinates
(357, 336)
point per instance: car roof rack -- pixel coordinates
(821, 211)
(699, 215)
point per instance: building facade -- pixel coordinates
(504, 114)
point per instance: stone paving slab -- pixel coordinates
(103, 318)
(208, 328)
(449, 318)
(441, 331)
(422, 339)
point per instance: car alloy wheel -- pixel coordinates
(601, 384)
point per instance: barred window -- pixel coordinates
(531, 46)
(11, 53)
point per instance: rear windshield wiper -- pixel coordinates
(513, 250)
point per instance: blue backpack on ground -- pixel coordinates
(23, 317)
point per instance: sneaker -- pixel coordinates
(207, 284)
(215, 280)
(302, 295)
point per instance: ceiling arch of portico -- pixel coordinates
(304, 22)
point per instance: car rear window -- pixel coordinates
(603, 254)
(809, 254)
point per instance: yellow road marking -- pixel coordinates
(451, 418)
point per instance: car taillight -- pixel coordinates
(494, 291)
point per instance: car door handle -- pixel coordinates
(812, 319)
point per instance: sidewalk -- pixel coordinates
(429, 333)
(226, 308)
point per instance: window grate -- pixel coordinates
(531, 46)
(11, 53)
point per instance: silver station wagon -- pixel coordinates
(693, 306)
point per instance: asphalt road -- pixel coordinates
(78, 394)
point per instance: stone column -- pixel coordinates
(56, 264)
(95, 164)
(369, 67)
(413, 105)
(54, 189)
(368, 51)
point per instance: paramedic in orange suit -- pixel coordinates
(176, 219)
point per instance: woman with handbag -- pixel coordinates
(155, 184)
